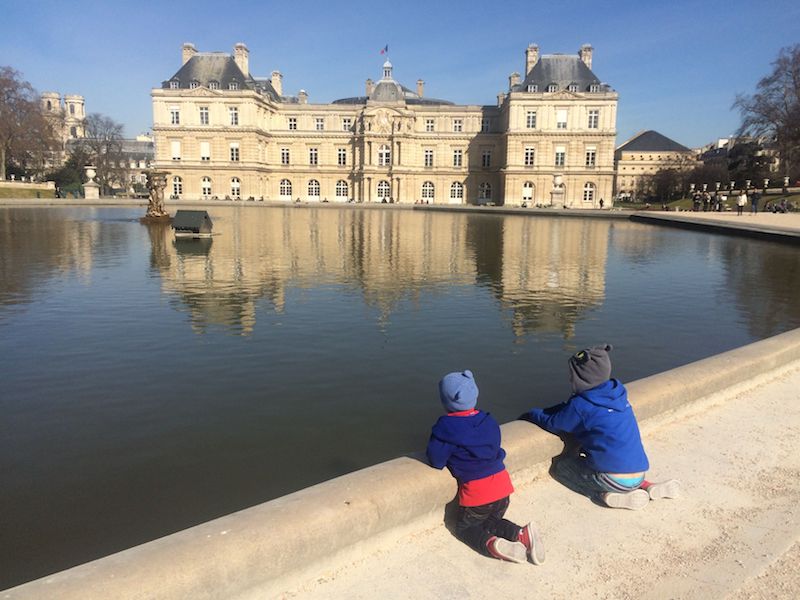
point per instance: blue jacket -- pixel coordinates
(602, 421)
(468, 446)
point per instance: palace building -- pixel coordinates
(222, 132)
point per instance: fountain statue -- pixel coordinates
(156, 182)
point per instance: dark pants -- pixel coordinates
(477, 524)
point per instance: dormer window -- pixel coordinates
(213, 85)
(194, 85)
(233, 85)
(594, 88)
(552, 88)
(532, 87)
(174, 84)
(573, 87)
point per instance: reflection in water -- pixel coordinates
(545, 272)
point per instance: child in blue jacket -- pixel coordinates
(467, 442)
(612, 462)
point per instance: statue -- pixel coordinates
(156, 182)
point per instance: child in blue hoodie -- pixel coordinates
(467, 442)
(612, 462)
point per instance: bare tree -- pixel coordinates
(104, 146)
(26, 135)
(773, 112)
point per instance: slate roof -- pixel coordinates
(205, 67)
(562, 70)
(651, 141)
(388, 90)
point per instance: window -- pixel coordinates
(594, 119)
(177, 187)
(313, 157)
(174, 85)
(203, 115)
(458, 158)
(73, 132)
(588, 192)
(428, 191)
(72, 109)
(530, 119)
(175, 115)
(457, 191)
(205, 186)
(292, 123)
(313, 190)
(532, 87)
(552, 88)
(428, 158)
(458, 125)
(530, 154)
(285, 189)
(234, 113)
(573, 87)
(429, 125)
(284, 156)
(485, 125)
(341, 157)
(591, 156)
(384, 156)
(347, 124)
(234, 152)
(561, 156)
(527, 191)
(233, 85)
(341, 189)
(236, 187)
(175, 145)
(486, 158)
(484, 191)
(213, 85)
(561, 118)
(594, 88)
(383, 190)
(319, 123)
(194, 84)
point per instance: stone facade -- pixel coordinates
(644, 155)
(221, 132)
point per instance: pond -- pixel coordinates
(149, 384)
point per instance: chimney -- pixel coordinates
(370, 87)
(187, 52)
(302, 97)
(586, 54)
(420, 87)
(531, 57)
(500, 98)
(513, 80)
(277, 82)
(241, 55)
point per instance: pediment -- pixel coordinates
(565, 95)
(202, 92)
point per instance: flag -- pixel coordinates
(385, 49)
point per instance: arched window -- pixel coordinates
(341, 189)
(588, 192)
(49, 105)
(233, 85)
(236, 188)
(457, 192)
(177, 187)
(384, 189)
(484, 191)
(205, 186)
(285, 190)
(552, 88)
(527, 191)
(573, 87)
(428, 191)
(313, 189)
(384, 156)
(194, 84)
(213, 85)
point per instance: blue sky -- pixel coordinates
(676, 65)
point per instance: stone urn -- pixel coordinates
(91, 189)
(557, 193)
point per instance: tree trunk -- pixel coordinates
(2, 163)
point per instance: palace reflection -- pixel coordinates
(545, 273)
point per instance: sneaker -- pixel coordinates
(505, 550)
(530, 538)
(635, 500)
(664, 489)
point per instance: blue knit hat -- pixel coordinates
(458, 391)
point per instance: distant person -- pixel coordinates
(610, 462)
(601, 203)
(754, 198)
(467, 442)
(740, 203)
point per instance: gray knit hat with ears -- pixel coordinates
(458, 391)
(589, 368)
